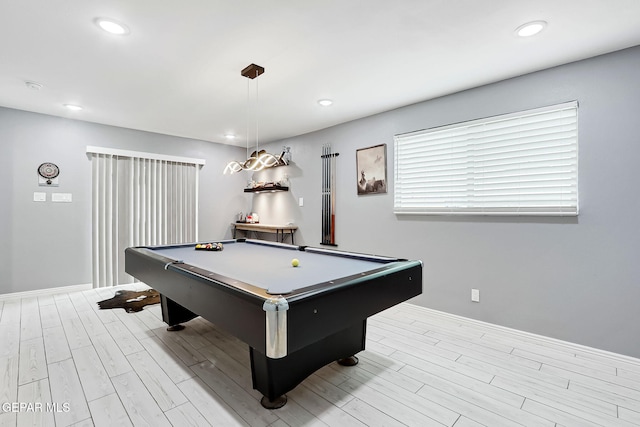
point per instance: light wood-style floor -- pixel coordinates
(421, 368)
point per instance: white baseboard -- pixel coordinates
(48, 291)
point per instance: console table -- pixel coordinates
(281, 231)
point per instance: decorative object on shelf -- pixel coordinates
(257, 187)
(252, 218)
(48, 174)
(259, 159)
(328, 196)
(284, 181)
(371, 168)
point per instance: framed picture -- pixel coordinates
(371, 168)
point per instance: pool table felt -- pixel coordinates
(268, 267)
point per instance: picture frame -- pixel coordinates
(371, 169)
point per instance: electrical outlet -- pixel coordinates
(475, 295)
(300, 202)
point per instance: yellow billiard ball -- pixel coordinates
(295, 262)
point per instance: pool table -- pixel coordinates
(294, 319)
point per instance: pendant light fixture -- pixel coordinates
(259, 159)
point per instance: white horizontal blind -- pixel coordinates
(523, 163)
(136, 202)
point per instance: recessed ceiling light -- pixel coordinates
(325, 102)
(112, 26)
(73, 107)
(530, 28)
(33, 85)
(229, 136)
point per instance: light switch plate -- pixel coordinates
(39, 197)
(61, 197)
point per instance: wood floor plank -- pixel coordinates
(135, 325)
(11, 311)
(164, 391)
(370, 415)
(67, 390)
(167, 360)
(8, 419)
(398, 395)
(93, 376)
(185, 351)
(125, 340)
(150, 320)
(193, 336)
(108, 411)
(481, 398)
(138, 402)
(552, 414)
(36, 393)
(209, 404)
(485, 353)
(496, 368)
(92, 323)
(294, 414)
(322, 409)
(187, 415)
(56, 346)
(79, 301)
(239, 371)
(84, 423)
(33, 363)
(49, 316)
(10, 339)
(610, 383)
(562, 399)
(328, 391)
(30, 326)
(113, 360)
(9, 378)
(242, 402)
(466, 422)
(77, 336)
(378, 400)
(609, 394)
(629, 415)
(411, 355)
(391, 375)
(65, 307)
(583, 366)
(44, 300)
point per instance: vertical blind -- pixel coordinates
(139, 201)
(523, 163)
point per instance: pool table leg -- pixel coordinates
(348, 361)
(275, 377)
(173, 314)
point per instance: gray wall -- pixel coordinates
(47, 244)
(576, 279)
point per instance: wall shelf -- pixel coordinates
(268, 189)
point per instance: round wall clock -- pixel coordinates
(48, 171)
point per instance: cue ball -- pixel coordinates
(295, 262)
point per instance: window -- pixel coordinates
(523, 163)
(139, 199)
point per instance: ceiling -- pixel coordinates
(178, 71)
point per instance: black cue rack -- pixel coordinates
(328, 196)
